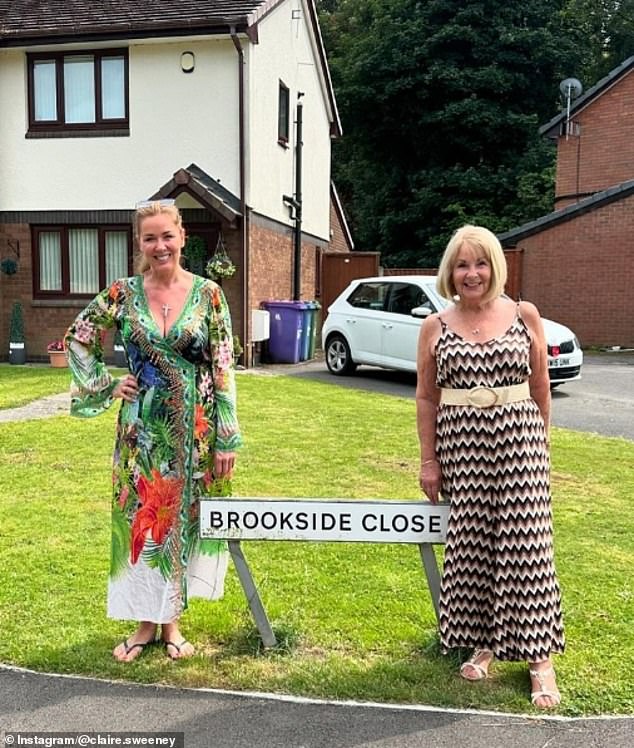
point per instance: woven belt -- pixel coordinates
(485, 397)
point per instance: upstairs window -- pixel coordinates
(79, 91)
(283, 115)
(79, 261)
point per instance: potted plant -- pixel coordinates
(56, 354)
(17, 351)
(120, 359)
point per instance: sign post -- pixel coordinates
(336, 520)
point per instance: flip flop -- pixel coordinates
(177, 647)
(139, 645)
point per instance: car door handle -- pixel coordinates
(387, 326)
(351, 321)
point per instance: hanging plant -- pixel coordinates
(220, 265)
(9, 266)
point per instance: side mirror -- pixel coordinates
(421, 312)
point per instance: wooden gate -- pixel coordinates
(337, 269)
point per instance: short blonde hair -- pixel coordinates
(481, 240)
(147, 210)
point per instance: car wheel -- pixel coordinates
(338, 358)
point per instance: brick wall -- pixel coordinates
(338, 240)
(579, 273)
(43, 321)
(601, 155)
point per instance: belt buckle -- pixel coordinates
(482, 397)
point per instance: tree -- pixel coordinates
(441, 101)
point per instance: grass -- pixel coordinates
(355, 621)
(20, 385)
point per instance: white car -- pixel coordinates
(376, 321)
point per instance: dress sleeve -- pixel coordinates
(222, 362)
(91, 382)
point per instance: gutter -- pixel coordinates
(244, 229)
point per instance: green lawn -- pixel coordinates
(355, 620)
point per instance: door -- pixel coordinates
(399, 331)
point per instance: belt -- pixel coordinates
(485, 397)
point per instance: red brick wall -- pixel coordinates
(43, 321)
(579, 273)
(602, 155)
(338, 240)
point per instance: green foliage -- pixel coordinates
(16, 324)
(8, 266)
(195, 253)
(441, 102)
(605, 31)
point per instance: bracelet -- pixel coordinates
(426, 462)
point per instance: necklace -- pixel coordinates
(166, 310)
(475, 331)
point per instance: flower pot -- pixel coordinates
(17, 353)
(58, 359)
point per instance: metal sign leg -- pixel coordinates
(432, 574)
(251, 593)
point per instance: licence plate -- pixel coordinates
(557, 362)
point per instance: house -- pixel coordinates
(109, 103)
(577, 260)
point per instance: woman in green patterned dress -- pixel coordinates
(177, 431)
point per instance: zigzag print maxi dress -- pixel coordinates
(499, 588)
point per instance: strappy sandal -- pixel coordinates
(540, 676)
(177, 647)
(480, 669)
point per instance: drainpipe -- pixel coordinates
(244, 328)
(296, 203)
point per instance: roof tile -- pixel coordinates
(23, 19)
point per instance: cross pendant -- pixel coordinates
(166, 310)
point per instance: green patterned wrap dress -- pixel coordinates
(165, 441)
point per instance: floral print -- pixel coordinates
(166, 440)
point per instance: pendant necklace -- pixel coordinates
(166, 310)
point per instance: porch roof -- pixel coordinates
(205, 189)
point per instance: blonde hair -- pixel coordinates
(479, 239)
(147, 210)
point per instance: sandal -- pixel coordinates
(479, 662)
(177, 647)
(540, 676)
(130, 647)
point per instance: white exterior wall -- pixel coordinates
(284, 53)
(175, 119)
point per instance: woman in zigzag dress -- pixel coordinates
(483, 410)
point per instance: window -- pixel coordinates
(369, 296)
(79, 91)
(283, 115)
(79, 261)
(406, 296)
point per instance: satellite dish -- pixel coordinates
(571, 88)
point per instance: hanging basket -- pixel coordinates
(220, 265)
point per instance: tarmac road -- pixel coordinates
(602, 401)
(33, 702)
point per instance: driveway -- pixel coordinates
(602, 401)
